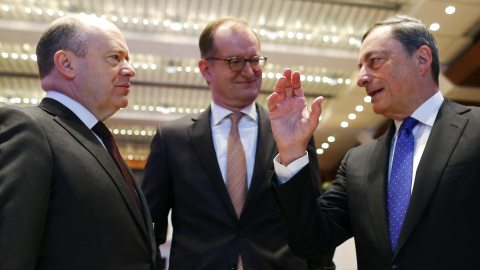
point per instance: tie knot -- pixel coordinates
(409, 123)
(236, 116)
(101, 130)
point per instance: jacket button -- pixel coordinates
(232, 266)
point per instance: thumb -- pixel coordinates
(316, 108)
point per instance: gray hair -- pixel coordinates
(67, 33)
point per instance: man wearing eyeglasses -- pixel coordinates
(217, 185)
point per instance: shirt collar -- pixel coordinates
(219, 113)
(427, 112)
(78, 109)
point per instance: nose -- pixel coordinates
(127, 70)
(363, 78)
(247, 69)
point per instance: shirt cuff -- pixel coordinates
(286, 173)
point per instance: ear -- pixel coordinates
(65, 63)
(424, 59)
(204, 66)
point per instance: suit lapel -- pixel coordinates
(200, 133)
(264, 154)
(446, 132)
(77, 129)
(376, 186)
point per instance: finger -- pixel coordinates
(280, 88)
(316, 110)
(288, 74)
(272, 101)
(288, 84)
(296, 84)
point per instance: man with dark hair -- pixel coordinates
(67, 198)
(409, 198)
(213, 171)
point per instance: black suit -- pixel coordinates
(63, 202)
(441, 229)
(182, 174)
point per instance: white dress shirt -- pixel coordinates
(425, 114)
(248, 130)
(78, 109)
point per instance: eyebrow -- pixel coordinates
(366, 58)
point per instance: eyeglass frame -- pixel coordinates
(245, 60)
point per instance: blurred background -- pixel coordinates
(319, 38)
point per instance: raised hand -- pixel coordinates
(292, 124)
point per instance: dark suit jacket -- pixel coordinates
(63, 201)
(182, 174)
(441, 229)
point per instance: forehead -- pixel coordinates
(380, 39)
(236, 40)
(107, 38)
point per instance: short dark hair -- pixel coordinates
(207, 40)
(67, 33)
(412, 34)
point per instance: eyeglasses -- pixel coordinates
(237, 63)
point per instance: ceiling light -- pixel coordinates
(352, 116)
(331, 139)
(325, 145)
(450, 10)
(308, 36)
(334, 39)
(434, 26)
(367, 99)
(6, 8)
(359, 108)
(299, 35)
(176, 26)
(320, 151)
(344, 124)
(170, 67)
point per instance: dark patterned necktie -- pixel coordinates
(400, 179)
(102, 131)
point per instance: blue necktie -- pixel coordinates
(400, 179)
